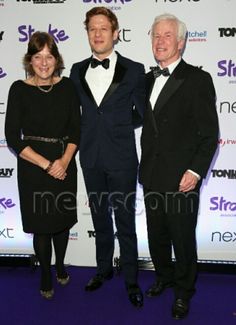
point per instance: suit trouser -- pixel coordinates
(110, 191)
(171, 222)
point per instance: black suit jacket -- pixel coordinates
(182, 131)
(107, 130)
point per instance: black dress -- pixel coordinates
(47, 205)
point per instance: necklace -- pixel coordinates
(42, 89)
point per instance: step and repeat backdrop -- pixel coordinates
(210, 45)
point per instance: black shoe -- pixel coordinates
(157, 288)
(97, 281)
(180, 308)
(135, 295)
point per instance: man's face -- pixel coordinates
(165, 44)
(100, 36)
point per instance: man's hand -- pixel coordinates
(188, 182)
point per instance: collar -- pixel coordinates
(112, 57)
(173, 65)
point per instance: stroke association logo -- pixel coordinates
(6, 204)
(41, 2)
(107, 1)
(225, 207)
(227, 68)
(25, 31)
(2, 73)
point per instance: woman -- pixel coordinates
(42, 127)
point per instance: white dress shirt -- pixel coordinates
(99, 79)
(160, 83)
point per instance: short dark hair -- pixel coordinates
(36, 44)
(102, 11)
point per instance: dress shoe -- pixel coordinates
(157, 288)
(63, 281)
(180, 308)
(97, 281)
(135, 295)
(48, 294)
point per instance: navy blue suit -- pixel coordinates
(109, 160)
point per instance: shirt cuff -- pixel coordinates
(197, 175)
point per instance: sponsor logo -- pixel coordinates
(2, 73)
(43, 1)
(107, 1)
(124, 35)
(1, 35)
(1, 111)
(227, 236)
(25, 31)
(3, 143)
(73, 236)
(223, 142)
(92, 234)
(227, 32)
(224, 173)
(226, 107)
(6, 233)
(5, 204)
(227, 68)
(184, 1)
(6, 172)
(197, 36)
(225, 207)
(1, 3)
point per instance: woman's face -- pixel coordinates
(43, 64)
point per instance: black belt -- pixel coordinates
(48, 140)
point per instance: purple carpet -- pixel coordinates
(21, 303)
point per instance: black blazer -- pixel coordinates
(107, 130)
(182, 131)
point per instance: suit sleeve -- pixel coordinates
(75, 116)
(139, 98)
(207, 123)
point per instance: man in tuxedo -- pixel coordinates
(178, 142)
(112, 93)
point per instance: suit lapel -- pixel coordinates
(149, 113)
(84, 82)
(117, 78)
(171, 86)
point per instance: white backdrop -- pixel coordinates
(211, 37)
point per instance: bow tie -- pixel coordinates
(105, 63)
(157, 71)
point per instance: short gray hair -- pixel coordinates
(181, 27)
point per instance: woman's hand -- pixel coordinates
(58, 169)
